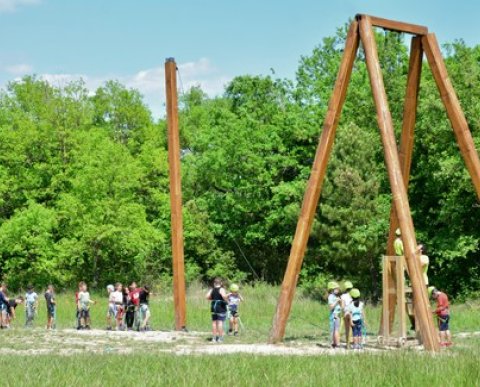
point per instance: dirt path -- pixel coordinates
(69, 342)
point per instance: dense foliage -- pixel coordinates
(84, 178)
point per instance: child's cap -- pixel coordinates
(234, 288)
(110, 288)
(29, 287)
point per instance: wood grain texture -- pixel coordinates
(175, 194)
(397, 26)
(399, 192)
(405, 154)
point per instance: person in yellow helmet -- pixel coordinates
(356, 309)
(334, 306)
(234, 299)
(347, 317)
(398, 243)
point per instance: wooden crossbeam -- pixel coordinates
(393, 25)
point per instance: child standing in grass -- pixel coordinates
(3, 306)
(111, 311)
(356, 310)
(51, 306)
(31, 304)
(334, 306)
(12, 304)
(234, 299)
(84, 302)
(144, 308)
(218, 309)
(117, 297)
(346, 300)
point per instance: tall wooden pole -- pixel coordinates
(454, 110)
(314, 187)
(175, 194)
(405, 155)
(399, 191)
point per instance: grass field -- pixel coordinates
(66, 357)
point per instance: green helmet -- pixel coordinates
(355, 293)
(430, 290)
(234, 288)
(332, 285)
(398, 232)
(347, 285)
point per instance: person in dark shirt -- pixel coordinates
(144, 308)
(12, 304)
(218, 308)
(3, 306)
(51, 305)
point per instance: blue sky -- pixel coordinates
(212, 40)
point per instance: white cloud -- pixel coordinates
(151, 82)
(19, 69)
(13, 5)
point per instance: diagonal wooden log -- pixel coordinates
(314, 186)
(454, 110)
(399, 192)
(405, 155)
(175, 194)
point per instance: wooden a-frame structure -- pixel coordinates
(397, 161)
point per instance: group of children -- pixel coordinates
(9, 305)
(224, 306)
(128, 307)
(347, 308)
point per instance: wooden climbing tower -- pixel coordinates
(397, 160)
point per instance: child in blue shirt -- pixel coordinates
(357, 311)
(334, 306)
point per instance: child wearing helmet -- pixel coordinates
(346, 299)
(356, 309)
(234, 299)
(334, 305)
(398, 243)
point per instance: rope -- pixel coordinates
(246, 260)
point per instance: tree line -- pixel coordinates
(84, 178)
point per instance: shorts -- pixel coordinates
(84, 313)
(233, 311)
(119, 310)
(219, 316)
(334, 323)
(443, 322)
(357, 328)
(112, 311)
(3, 308)
(50, 311)
(144, 311)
